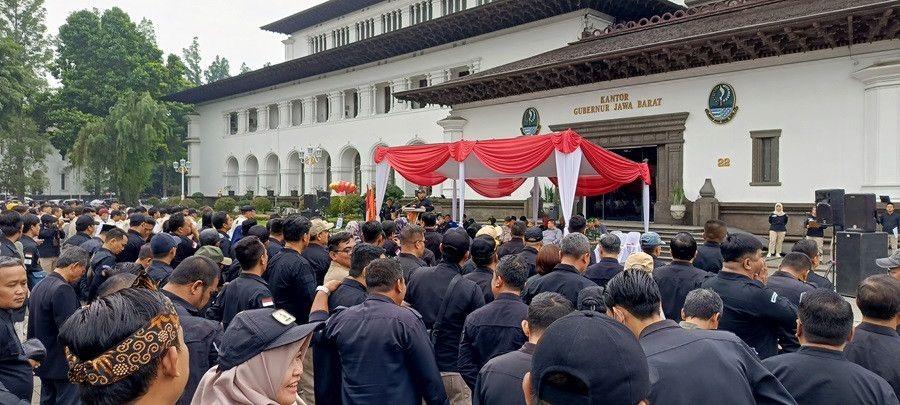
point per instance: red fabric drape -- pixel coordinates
(612, 167)
(589, 186)
(495, 188)
(416, 163)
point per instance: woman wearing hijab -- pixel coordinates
(777, 228)
(260, 361)
(353, 229)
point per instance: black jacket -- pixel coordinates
(877, 348)
(675, 281)
(433, 241)
(529, 257)
(77, 239)
(778, 223)
(293, 283)
(52, 237)
(32, 255)
(490, 331)
(409, 263)
(788, 287)
(132, 248)
(889, 222)
(52, 302)
(202, 338)
(513, 247)
(500, 380)
(348, 294)
(8, 248)
(159, 272)
(319, 260)
(722, 369)
(186, 248)
(425, 293)
(15, 371)
(817, 232)
(101, 263)
(818, 281)
(821, 376)
(248, 291)
(754, 312)
(482, 276)
(603, 271)
(564, 279)
(709, 257)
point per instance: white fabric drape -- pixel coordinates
(646, 205)
(567, 168)
(382, 170)
(462, 192)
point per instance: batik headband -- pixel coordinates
(129, 355)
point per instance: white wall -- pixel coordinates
(55, 166)
(818, 106)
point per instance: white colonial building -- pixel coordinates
(769, 99)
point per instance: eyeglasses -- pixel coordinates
(346, 250)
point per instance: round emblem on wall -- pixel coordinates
(722, 104)
(531, 121)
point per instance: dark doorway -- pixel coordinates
(624, 204)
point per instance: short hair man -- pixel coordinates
(790, 279)
(163, 247)
(381, 331)
(352, 290)
(10, 232)
(753, 312)
(291, 277)
(412, 248)
(340, 246)
(891, 264)
(428, 283)
(433, 238)
(500, 380)
(483, 255)
(85, 225)
(249, 290)
(316, 252)
(677, 279)
(890, 224)
(190, 287)
(221, 221)
(275, 245)
(516, 241)
(811, 250)
(183, 228)
(709, 254)
(702, 310)
(534, 241)
(31, 228)
(15, 370)
(153, 372)
(717, 359)
(102, 261)
(819, 373)
(136, 239)
(52, 302)
(608, 266)
(495, 328)
(651, 244)
(567, 278)
(876, 345)
(372, 233)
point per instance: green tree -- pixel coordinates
(245, 68)
(23, 148)
(191, 56)
(217, 70)
(135, 127)
(23, 22)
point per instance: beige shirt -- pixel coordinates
(336, 272)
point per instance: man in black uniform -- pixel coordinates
(385, 352)
(249, 290)
(372, 233)
(10, 232)
(275, 245)
(651, 244)
(500, 380)
(495, 328)
(567, 277)
(680, 277)
(788, 280)
(715, 359)
(84, 228)
(753, 312)
(221, 221)
(316, 253)
(15, 370)
(818, 373)
(534, 238)
(352, 290)
(608, 266)
(412, 247)
(52, 302)
(516, 241)
(189, 288)
(423, 202)
(183, 228)
(291, 277)
(482, 252)
(135, 239)
(163, 247)
(31, 227)
(103, 261)
(810, 249)
(709, 254)
(875, 344)
(441, 290)
(432, 236)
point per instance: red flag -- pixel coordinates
(371, 212)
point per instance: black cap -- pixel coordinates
(137, 219)
(247, 208)
(482, 248)
(574, 345)
(534, 234)
(209, 237)
(47, 219)
(106, 228)
(254, 331)
(457, 240)
(85, 221)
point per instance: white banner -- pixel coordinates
(567, 168)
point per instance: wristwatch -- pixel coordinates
(323, 289)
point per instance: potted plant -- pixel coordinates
(677, 209)
(295, 193)
(230, 191)
(270, 192)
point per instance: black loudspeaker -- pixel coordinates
(323, 199)
(833, 214)
(855, 258)
(309, 202)
(859, 212)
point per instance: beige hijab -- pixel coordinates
(254, 382)
(779, 209)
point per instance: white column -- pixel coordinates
(366, 106)
(227, 118)
(881, 128)
(284, 114)
(474, 66)
(309, 110)
(335, 107)
(398, 85)
(367, 175)
(242, 121)
(193, 148)
(437, 77)
(453, 131)
(288, 48)
(262, 118)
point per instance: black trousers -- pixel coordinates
(61, 392)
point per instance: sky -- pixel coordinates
(228, 28)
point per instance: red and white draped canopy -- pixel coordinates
(497, 167)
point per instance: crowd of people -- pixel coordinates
(179, 306)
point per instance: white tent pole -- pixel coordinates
(462, 191)
(382, 170)
(646, 206)
(453, 204)
(536, 200)
(584, 206)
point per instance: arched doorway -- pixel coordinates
(232, 181)
(295, 180)
(271, 176)
(351, 167)
(251, 176)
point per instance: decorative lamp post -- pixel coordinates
(311, 157)
(182, 166)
